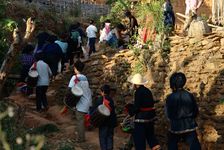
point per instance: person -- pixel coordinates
(64, 46)
(41, 42)
(106, 129)
(27, 60)
(181, 110)
(44, 73)
(191, 12)
(82, 107)
(91, 31)
(169, 16)
(133, 23)
(115, 37)
(144, 112)
(105, 31)
(53, 54)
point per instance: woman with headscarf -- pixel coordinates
(181, 110)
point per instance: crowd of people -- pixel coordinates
(52, 55)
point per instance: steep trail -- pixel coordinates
(65, 123)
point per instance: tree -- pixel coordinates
(14, 50)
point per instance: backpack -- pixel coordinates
(75, 36)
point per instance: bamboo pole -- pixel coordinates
(186, 17)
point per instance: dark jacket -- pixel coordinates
(143, 100)
(181, 110)
(112, 119)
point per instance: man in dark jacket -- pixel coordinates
(181, 110)
(144, 113)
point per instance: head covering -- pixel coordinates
(137, 79)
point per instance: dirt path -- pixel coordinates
(65, 123)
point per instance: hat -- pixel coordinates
(137, 79)
(77, 91)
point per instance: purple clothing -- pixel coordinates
(27, 59)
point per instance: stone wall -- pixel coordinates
(202, 60)
(88, 9)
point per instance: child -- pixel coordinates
(106, 130)
(82, 107)
(44, 73)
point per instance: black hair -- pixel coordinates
(106, 89)
(79, 65)
(91, 21)
(42, 38)
(52, 38)
(28, 49)
(127, 13)
(120, 26)
(107, 21)
(177, 80)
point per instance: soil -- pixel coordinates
(66, 123)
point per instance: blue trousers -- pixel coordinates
(144, 132)
(92, 47)
(106, 137)
(190, 138)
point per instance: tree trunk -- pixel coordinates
(14, 50)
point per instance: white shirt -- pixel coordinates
(91, 31)
(86, 100)
(44, 73)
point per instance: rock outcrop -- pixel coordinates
(202, 61)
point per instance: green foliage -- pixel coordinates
(7, 25)
(154, 11)
(117, 11)
(139, 67)
(66, 145)
(45, 129)
(12, 135)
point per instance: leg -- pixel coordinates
(44, 97)
(139, 136)
(80, 126)
(150, 136)
(38, 98)
(90, 46)
(110, 134)
(192, 140)
(172, 141)
(103, 137)
(94, 47)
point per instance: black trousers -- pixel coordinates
(41, 98)
(190, 138)
(144, 132)
(92, 47)
(106, 137)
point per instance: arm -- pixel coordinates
(49, 71)
(195, 107)
(199, 4)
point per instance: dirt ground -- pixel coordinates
(66, 123)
